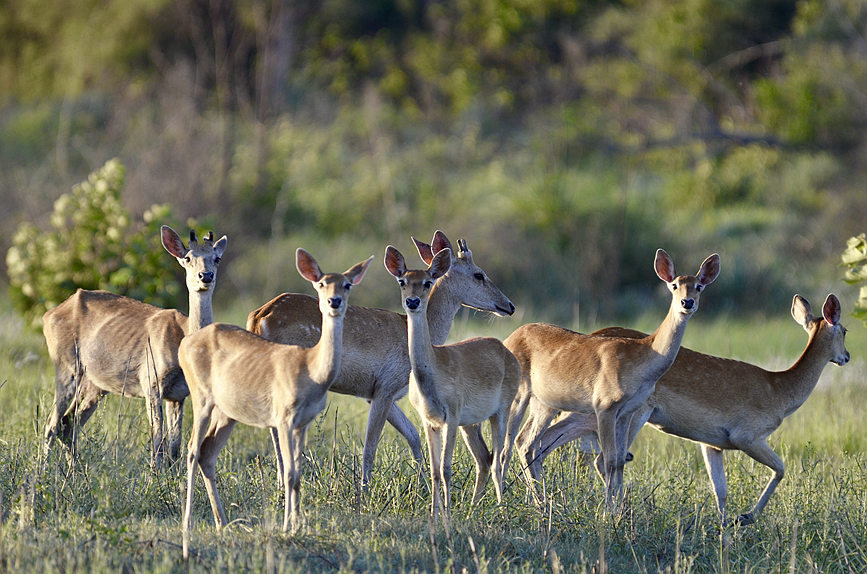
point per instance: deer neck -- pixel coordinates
(201, 311)
(666, 340)
(421, 355)
(325, 364)
(443, 305)
(798, 381)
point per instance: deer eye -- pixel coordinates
(347, 285)
(187, 258)
(427, 283)
(217, 260)
(479, 276)
(699, 287)
(401, 282)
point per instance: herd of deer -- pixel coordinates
(276, 374)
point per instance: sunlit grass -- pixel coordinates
(110, 512)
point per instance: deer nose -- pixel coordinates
(412, 303)
(687, 303)
(206, 276)
(335, 302)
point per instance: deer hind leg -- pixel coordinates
(398, 419)
(714, 462)
(764, 454)
(472, 435)
(174, 427)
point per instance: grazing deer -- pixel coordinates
(376, 361)
(724, 404)
(455, 386)
(104, 343)
(236, 376)
(611, 377)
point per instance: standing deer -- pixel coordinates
(455, 386)
(724, 404)
(376, 361)
(611, 377)
(104, 343)
(236, 376)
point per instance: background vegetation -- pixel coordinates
(565, 139)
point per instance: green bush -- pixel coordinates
(90, 246)
(855, 261)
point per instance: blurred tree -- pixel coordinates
(91, 246)
(855, 261)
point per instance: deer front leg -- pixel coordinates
(379, 411)
(448, 449)
(174, 427)
(714, 462)
(605, 462)
(217, 435)
(472, 435)
(434, 447)
(538, 419)
(298, 438)
(501, 451)
(154, 399)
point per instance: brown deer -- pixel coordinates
(237, 376)
(610, 377)
(376, 361)
(104, 343)
(724, 404)
(455, 386)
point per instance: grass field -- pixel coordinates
(109, 512)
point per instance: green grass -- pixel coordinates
(110, 512)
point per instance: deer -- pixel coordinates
(609, 377)
(724, 404)
(455, 386)
(237, 376)
(376, 362)
(104, 343)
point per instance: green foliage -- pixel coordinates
(855, 261)
(91, 246)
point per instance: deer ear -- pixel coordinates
(356, 273)
(172, 242)
(802, 313)
(307, 266)
(394, 262)
(664, 266)
(440, 242)
(831, 310)
(220, 246)
(441, 263)
(709, 270)
(424, 251)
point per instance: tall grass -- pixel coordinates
(107, 511)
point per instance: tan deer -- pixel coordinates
(567, 371)
(376, 361)
(724, 404)
(104, 343)
(455, 386)
(236, 376)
